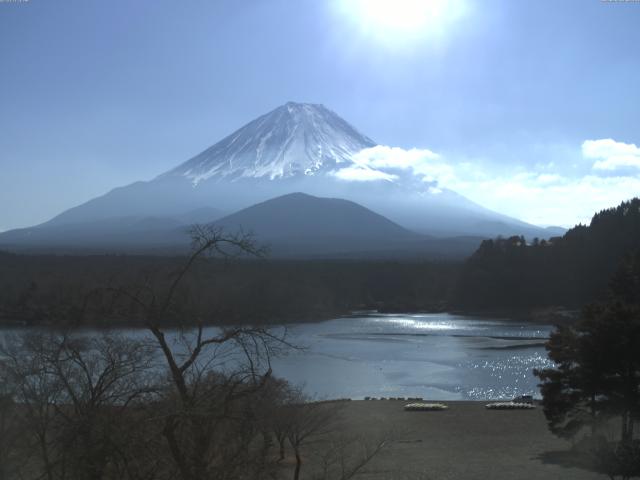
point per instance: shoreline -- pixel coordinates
(464, 442)
(555, 316)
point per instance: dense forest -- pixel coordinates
(49, 289)
(567, 271)
(504, 274)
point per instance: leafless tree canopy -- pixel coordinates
(191, 402)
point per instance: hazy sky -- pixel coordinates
(531, 108)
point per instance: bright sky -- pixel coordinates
(529, 108)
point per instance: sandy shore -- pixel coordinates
(464, 442)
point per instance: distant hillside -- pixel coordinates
(298, 225)
(114, 234)
(295, 225)
(301, 215)
(570, 270)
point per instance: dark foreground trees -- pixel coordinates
(190, 402)
(214, 374)
(569, 271)
(74, 403)
(93, 406)
(596, 380)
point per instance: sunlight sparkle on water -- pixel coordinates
(419, 324)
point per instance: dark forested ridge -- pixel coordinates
(49, 289)
(568, 271)
(505, 274)
(293, 226)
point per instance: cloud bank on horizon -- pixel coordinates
(612, 155)
(609, 174)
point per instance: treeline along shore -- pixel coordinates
(48, 289)
(506, 276)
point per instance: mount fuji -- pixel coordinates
(297, 147)
(292, 140)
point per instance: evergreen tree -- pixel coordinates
(597, 371)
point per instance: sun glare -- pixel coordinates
(397, 21)
(401, 14)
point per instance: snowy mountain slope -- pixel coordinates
(294, 139)
(297, 147)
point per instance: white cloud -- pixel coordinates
(362, 174)
(541, 194)
(382, 156)
(611, 155)
(384, 163)
(548, 178)
(564, 202)
(544, 196)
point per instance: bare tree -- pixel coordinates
(211, 370)
(308, 422)
(279, 419)
(74, 391)
(347, 457)
(37, 392)
(9, 432)
(193, 402)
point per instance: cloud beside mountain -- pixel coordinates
(611, 155)
(383, 162)
(309, 148)
(549, 194)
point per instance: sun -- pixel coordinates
(399, 14)
(398, 21)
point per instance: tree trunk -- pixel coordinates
(593, 414)
(267, 443)
(624, 436)
(627, 427)
(174, 448)
(296, 473)
(45, 456)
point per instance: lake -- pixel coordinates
(436, 356)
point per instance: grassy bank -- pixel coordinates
(466, 441)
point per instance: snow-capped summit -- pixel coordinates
(294, 139)
(298, 147)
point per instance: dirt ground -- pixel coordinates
(466, 442)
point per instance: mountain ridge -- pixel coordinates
(298, 225)
(314, 216)
(295, 225)
(293, 148)
(293, 139)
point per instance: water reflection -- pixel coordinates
(437, 356)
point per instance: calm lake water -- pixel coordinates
(435, 356)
